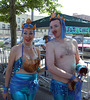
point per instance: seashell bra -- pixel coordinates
(29, 65)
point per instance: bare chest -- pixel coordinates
(66, 49)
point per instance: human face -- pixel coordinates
(56, 28)
(28, 35)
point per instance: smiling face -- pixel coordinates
(56, 28)
(28, 35)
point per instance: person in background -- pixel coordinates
(62, 56)
(47, 39)
(24, 61)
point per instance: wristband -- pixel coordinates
(72, 78)
(5, 89)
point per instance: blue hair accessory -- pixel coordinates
(28, 25)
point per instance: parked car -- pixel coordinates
(85, 45)
(79, 39)
(7, 41)
(40, 42)
(35, 40)
(1, 39)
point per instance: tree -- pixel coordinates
(10, 8)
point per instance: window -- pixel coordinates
(3, 26)
(8, 26)
(18, 20)
(23, 20)
(18, 27)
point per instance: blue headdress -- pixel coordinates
(28, 25)
(62, 22)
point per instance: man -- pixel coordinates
(61, 57)
(46, 38)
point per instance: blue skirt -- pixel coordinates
(25, 83)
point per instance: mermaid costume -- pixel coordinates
(23, 86)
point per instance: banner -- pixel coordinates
(77, 30)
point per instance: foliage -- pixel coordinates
(9, 9)
(1, 43)
(22, 6)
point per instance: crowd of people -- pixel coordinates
(62, 60)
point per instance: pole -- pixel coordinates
(32, 15)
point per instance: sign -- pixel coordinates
(77, 30)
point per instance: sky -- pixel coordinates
(72, 6)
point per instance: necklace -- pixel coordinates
(26, 46)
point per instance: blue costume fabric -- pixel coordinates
(78, 87)
(23, 86)
(60, 91)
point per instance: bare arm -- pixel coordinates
(77, 56)
(10, 66)
(51, 63)
(9, 71)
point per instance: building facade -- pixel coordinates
(82, 16)
(5, 27)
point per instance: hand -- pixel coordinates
(5, 96)
(76, 79)
(84, 74)
(71, 85)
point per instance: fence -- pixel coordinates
(4, 54)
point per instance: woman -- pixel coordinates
(24, 61)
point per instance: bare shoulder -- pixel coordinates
(15, 48)
(74, 41)
(50, 43)
(71, 40)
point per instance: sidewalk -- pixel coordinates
(43, 92)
